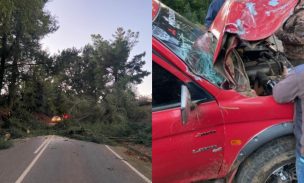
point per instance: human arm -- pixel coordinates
(287, 89)
(213, 9)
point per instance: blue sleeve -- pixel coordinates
(213, 9)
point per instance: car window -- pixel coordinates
(187, 41)
(166, 89)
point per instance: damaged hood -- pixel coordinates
(251, 20)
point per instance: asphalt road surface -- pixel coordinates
(54, 159)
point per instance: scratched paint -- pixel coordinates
(240, 27)
(279, 9)
(267, 13)
(273, 2)
(251, 7)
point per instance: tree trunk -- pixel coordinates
(13, 85)
(15, 73)
(3, 59)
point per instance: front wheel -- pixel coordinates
(272, 163)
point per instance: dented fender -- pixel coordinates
(247, 18)
(265, 136)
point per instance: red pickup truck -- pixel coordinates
(212, 118)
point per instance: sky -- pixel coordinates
(78, 19)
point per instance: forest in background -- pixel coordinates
(194, 10)
(94, 84)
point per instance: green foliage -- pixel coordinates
(194, 10)
(92, 71)
(118, 116)
(5, 144)
(93, 84)
(22, 123)
(22, 25)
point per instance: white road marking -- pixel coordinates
(130, 166)
(40, 147)
(26, 171)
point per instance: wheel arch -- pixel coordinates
(260, 139)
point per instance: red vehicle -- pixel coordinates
(212, 119)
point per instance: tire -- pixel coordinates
(268, 162)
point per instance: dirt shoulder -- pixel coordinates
(134, 155)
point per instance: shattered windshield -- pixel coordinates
(188, 42)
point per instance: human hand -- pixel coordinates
(302, 151)
(285, 71)
(261, 78)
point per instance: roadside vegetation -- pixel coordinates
(94, 85)
(195, 10)
(4, 144)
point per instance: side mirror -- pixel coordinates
(185, 104)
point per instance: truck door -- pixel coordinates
(183, 152)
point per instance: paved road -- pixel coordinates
(56, 159)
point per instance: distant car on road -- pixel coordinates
(57, 119)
